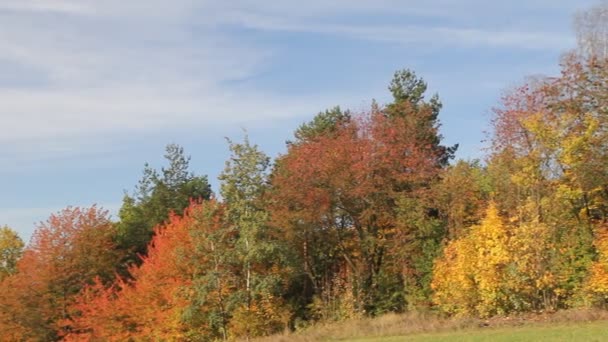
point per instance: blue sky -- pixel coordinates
(91, 90)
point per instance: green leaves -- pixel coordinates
(156, 196)
(324, 123)
(11, 249)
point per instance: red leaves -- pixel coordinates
(370, 155)
(343, 188)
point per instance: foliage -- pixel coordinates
(461, 195)
(339, 195)
(155, 198)
(323, 124)
(596, 286)
(179, 291)
(362, 216)
(477, 263)
(11, 249)
(69, 250)
(262, 257)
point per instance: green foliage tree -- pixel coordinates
(11, 249)
(156, 196)
(262, 255)
(324, 123)
(422, 225)
(408, 92)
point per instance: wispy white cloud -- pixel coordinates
(55, 6)
(100, 110)
(90, 68)
(404, 34)
(98, 74)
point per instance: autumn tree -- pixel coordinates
(532, 280)
(183, 290)
(461, 195)
(340, 195)
(157, 195)
(548, 172)
(66, 252)
(471, 277)
(596, 285)
(454, 288)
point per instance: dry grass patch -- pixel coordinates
(421, 323)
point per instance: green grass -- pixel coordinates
(588, 332)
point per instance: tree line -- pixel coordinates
(364, 214)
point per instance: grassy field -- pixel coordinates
(588, 332)
(570, 325)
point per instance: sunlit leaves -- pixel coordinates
(471, 276)
(67, 251)
(11, 248)
(181, 285)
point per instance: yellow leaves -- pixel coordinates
(453, 281)
(577, 144)
(546, 280)
(542, 129)
(490, 240)
(469, 277)
(493, 267)
(265, 315)
(598, 280)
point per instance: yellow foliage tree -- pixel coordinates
(532, 284)
(454, 286)
(470, 277)
(491, 242)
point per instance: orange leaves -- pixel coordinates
(96, 315)
(154, 303)
(67, 251)
(597, 282)
(366, 157)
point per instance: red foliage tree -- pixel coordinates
(340, 192)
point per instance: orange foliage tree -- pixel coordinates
(181, 291)
(66, 252)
